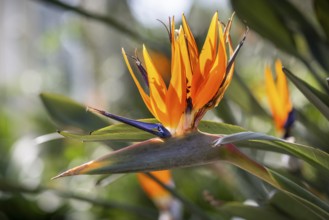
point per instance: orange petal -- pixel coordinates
(191, 45)
(145, 97)
(282, 87)
(185, 57)
(176, 95)
(274, 99)
(209, 88)
(172, 32)
(208, 53)
(221, 53)
(153, 189)
(225, 38)
(228, 76)
(157, 88)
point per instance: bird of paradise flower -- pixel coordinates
(279, 99)
(198, 82)
(282, 109)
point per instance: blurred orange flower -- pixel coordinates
(161, 197)
(278, 95)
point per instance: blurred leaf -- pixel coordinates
(250, 186)
(240, 93)
(317, 98)
(291, 207)
(297, 23)
(13, 187)
(235, 157)
(312, 133)
(69, 114)
(309, 200)
(224, 112)
(251, 212)
(260, 16)
(280, 22)
(321, 8)
(306, 198)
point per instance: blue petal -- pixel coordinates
(290, 120)
(289, 123)
(153, 128)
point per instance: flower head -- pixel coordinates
(278, 96)
(198, 78)
(198, 81)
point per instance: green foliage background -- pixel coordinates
(75, 50)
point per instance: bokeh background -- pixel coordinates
(73, 48)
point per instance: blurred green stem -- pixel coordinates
(110, 22)
(107, 20)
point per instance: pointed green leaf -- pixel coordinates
(124, 128)
(116, 132)
(290, 14)
(123, 132)
(67, 113)
(317, 98)
(125, 136)
(316, 157)
(246, 135)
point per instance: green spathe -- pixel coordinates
(154, 154)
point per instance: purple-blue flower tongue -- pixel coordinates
(153, 128)
(289, 123)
